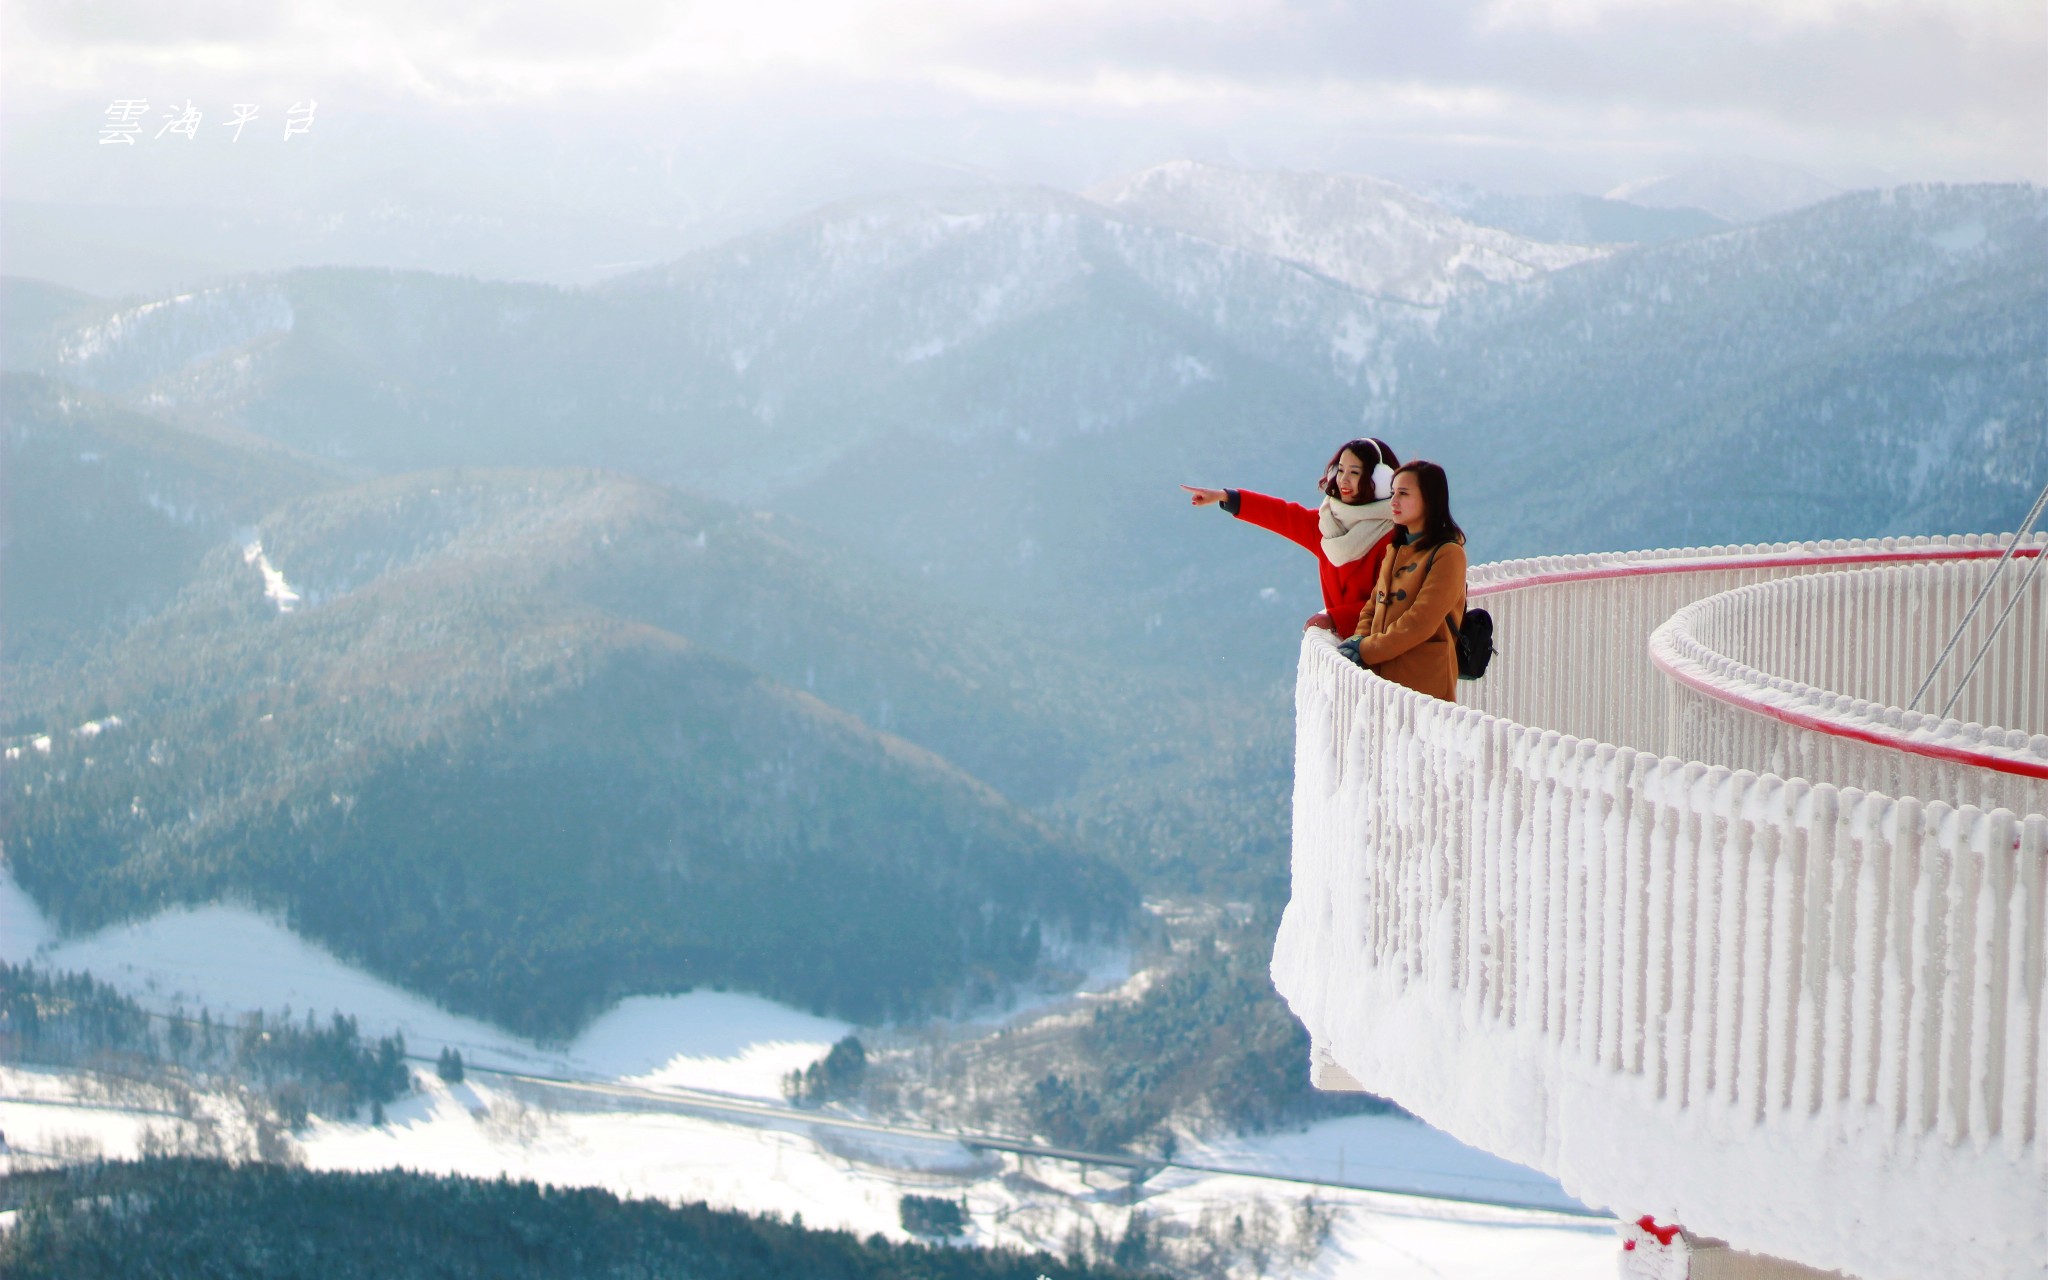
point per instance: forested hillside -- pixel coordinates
(106, 514)
(324, 1067)
(402, 715)
(1207, 1045)
(181, 1217)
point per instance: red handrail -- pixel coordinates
(1836, 729)
(1800, 719)
(1777, 560)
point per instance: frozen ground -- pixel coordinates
(22, 927)
(478, 1129)
(230, 960)
(46, 1113)
(1386, 1151)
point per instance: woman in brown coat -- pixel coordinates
(1405, 635)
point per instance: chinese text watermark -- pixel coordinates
(128, 118)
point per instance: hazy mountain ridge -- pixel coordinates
(343, 363)
(1069, 362)
(1378, 237)
(988, 315)
(738, 366)
(1533, 395)
(1575, 219)
(107, 514)
(1673, 355)
(1141, 326)
(1071, 365)
(1943, 398)
(1738, 190)
(128, 346)
(32, 308)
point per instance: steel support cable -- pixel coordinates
(2026, 527)
(1982, 649)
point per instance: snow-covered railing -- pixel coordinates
(1803, 1017)
(1805, 677)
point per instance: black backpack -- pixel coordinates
(1475, 643)
(1473, 636)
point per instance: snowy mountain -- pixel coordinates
(1733, 190)
(1849, 336)
(987, 314)
(996, 390)
(1377, 237)
(1012, 315)
(1868, 366)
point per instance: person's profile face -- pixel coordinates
(1408, 506)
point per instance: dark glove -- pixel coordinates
(1349, 648)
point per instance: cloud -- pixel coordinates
(2008, 17)
(1921, 87)
(104, 25)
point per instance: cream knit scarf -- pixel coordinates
(1349, 531)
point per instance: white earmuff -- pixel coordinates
(1382, 480)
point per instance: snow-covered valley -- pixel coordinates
(637, 1141)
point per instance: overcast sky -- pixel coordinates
(670, 102)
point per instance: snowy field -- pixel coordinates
(231, 960)
(474, 1128)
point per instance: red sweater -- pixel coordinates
(1347, 588)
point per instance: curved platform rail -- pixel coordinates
(1837, 553)
(1803, 677)
(1806, 1018)
(1574, 630)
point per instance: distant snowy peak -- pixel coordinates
(128, 344)
(1737, 190)
(902, 280)
(1370, 234)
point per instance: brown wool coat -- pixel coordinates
(1405, 636)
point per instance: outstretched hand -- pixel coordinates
(1204, 497)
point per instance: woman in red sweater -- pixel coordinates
(1348, 531)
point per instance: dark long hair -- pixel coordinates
(1369, 450)
(1435, 487)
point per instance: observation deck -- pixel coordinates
(1682, 909)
